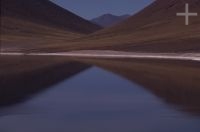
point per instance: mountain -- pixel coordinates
(47, 13)
(155, 29)
(108, 20)
(39, 22)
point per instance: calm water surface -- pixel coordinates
(96, 101)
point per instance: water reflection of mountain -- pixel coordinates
(21, 77)
(175, 82)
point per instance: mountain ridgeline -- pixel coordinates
(108, 20)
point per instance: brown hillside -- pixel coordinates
(154, 29)
(32, 23)
(46, 13)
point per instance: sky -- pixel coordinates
(89, 9)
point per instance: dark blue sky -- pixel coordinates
(92, 8)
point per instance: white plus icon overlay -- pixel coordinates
(187, 14)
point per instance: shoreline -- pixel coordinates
(103, 54)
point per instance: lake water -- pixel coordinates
(96, 101)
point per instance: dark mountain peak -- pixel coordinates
(108, 20)
(111, 15)
(126, 15)
(107, 15)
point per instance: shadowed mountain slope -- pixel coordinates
(46, 13)
(39, 22)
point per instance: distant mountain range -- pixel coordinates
(108, 20)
